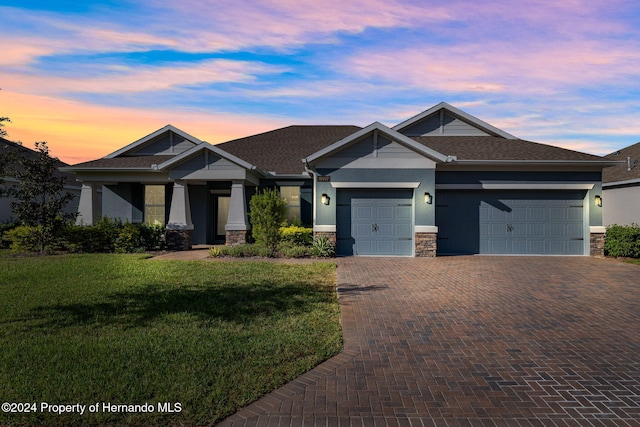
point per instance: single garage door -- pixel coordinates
(510, 222)
(374, 222)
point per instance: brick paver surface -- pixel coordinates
(474, 341)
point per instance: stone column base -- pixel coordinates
(596, 244)
(425, 244)
(236, 237)
(179, 240)
(331, 235)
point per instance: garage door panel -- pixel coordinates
(557, 213)
(362, 230)
(535, 214)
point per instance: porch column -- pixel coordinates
(237, 224)
(88, 207)
(179, 227)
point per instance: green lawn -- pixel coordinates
(121, 329)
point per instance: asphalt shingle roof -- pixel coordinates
(495, 148)
(282, 150)
(621, 172)
(125, 162)
(9, 147)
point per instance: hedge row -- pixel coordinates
(106, 235)
(623, 241)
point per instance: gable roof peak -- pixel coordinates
(444, 106)
(168, 128)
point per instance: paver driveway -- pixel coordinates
(479, 341)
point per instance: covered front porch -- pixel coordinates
(193, 211)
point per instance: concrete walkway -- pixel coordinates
(474, 341)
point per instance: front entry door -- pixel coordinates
(221, 210)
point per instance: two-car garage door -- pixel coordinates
(510, 222)
(500, 222)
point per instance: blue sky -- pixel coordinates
(92, 76)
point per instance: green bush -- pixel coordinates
(129, 239)
(24, 238)
(322, 247)
(109, 235)
(4, 227)
(297, 235)
(623, 241)
(292, 250)
(268, 211)
(240, 251)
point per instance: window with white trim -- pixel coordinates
(291, 194)
(154, 204)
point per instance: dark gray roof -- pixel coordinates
(11, 148)
(495, 148)
(125, 162)
(622, 172)
(282, 150)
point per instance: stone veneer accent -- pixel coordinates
(596, 244)
(179, 240)
(425, 244)
(331, 235)
(236, 237)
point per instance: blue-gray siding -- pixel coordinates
(446, 124)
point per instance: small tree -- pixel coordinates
(40, 196)
(5, 156)
(3, 132)
(268, 211)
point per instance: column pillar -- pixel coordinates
(179, 227)
(88, 206)
(237, 224)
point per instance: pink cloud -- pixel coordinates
(78, 131)
(140, 79)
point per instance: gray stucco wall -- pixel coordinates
(124, 201)
(621, 205)
(424, 214)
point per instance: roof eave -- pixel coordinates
(602, 163)
(107, 169)
(618, 183)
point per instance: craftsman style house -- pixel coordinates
(441, 182)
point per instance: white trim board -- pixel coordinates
(517, 186)
(344, 184)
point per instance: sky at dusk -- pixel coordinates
(91, 76)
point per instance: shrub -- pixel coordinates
(297, 235)
(4, 227)
(111, 235)
(623, 241)
(152, 237)
(292, 250)
(129, 239)
(240, 251)
(268, 211)
(24, 238)
(322, 247)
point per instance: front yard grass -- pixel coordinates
(125, 330)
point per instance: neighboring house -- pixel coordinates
(71, 185)
(621, 188)
(441, 182)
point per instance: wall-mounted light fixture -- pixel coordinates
(598, 201)
(428, 198)
(325, 199)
